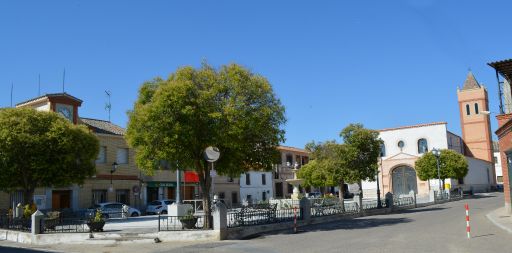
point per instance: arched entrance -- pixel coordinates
(404, 180)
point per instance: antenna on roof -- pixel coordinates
(39, 86)
(108, 106)
(63, 80)
(12, 88)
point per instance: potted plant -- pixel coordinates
(96, 224)
(188, 221)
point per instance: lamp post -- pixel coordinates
(437, 154)
(379, 205)
(112, 170)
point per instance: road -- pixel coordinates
(439, 228)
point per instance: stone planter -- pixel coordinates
(96, 226)
(189, 223)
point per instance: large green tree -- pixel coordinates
(230, 108)
(360, 154)
(451, 165)
(43, 149)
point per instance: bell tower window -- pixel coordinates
(467, 110)
(476, 108)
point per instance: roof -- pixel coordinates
(63, 94)
(470, 82)
(503, 67)
(413, 126)
(292, 149)
(103, 126)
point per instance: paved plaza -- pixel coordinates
(439, 228)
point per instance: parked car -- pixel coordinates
(115, 210)
(158, 206)
(313, 195)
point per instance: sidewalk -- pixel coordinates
(501, 219)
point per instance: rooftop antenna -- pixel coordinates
(12, 88)
(108, 106)
(39, 86)
(63, 80)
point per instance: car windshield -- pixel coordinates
(155, 203)
(168, 202)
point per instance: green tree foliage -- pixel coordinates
(360, 154)
(230, 108)
(42, 149)
(451, 165)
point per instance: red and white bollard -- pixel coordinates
(468, 228)
(295, 220)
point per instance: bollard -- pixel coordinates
(468, 228)
(19, 211)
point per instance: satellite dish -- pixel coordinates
(211, 154)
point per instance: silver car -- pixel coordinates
(116, 210)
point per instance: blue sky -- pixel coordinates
(381, 63)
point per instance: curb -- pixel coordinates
(489, 216)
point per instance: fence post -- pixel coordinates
(220, 219)
(305, 209)
(37, 218)
(389, 200)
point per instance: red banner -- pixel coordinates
(191, 177)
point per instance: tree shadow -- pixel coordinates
(480, 196)
(347, 224)
(21, 250)
(418, 210)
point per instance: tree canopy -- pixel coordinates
(230, 108)
(451, 165)
(43, 149)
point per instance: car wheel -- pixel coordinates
(135, 214)
(164, 212)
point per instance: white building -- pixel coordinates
(497, 163)
(404, 145)
(256, 186)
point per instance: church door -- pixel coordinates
(404, 180)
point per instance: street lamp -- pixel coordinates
(112, 170)
(437, 154)
(379, 205)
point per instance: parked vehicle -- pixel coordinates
(115, 210)
(313, 195)
(158, 206)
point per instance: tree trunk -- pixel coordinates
(342, 195)
(205, 183)
(360, 196)
(28, 196)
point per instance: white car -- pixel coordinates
(115, 210)
(158, 206)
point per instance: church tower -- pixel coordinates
(474, 119)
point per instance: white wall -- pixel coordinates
(478, 176)
(435, 135)
(256, 188)
(497, 166)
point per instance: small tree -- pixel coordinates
(230, 108)
(360, 153)
(42, 149)
(451, 165)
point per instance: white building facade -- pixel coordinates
(256, 187)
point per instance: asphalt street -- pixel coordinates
(439, 228)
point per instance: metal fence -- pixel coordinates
(318, 210)
(403, 201)
(252, 217)
(175, 223)
(19, 224)
(373, 204)
(64, 225)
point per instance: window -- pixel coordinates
(499, 179)
(222, 195)
(102, 155)
(401, 145)
(264, 196)
(249, 199)
(289, 160)
(247, 179)
(495, 159)
(122, 156)
(382, 150)
(476, 108)
(305, 160)
(234, 197)
(422, 146)
(297, 160)
(16, 198)
(99, 196)
(467, 110)
(290, 188)
(263, 179)
(123, 196)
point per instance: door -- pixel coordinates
(171, 193)
(61, 199)
(404, 180)
(279, 190)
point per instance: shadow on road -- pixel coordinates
(19, 250)
(481, 196)
(422, 210)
